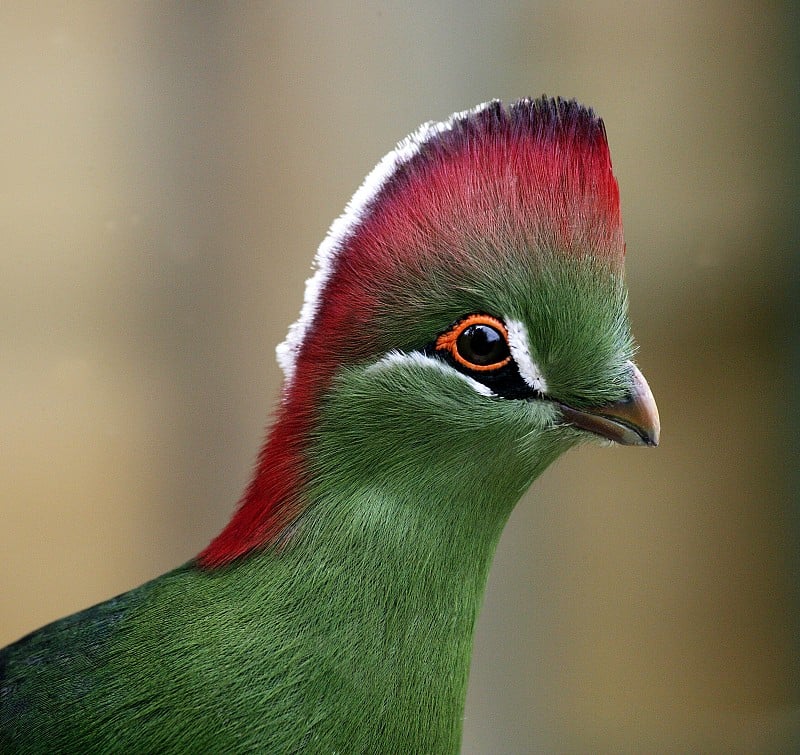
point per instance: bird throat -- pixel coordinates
(386, 570)
(385, 599)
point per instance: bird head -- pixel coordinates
(466, 323)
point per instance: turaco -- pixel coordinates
(465, 325)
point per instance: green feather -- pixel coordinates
(354, 634)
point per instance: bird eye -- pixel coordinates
(478, 342)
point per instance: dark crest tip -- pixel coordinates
(543, 119)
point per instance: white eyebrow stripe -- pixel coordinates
(347, 224)
(528, 369)
(422, 360)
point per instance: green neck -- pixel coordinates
(354, 633)
(389, 563)
(393, 611)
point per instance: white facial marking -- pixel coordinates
(528, 369)
(416, 358)
(345, 226)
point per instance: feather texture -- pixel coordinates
(335, 613)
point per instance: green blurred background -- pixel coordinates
(166, 174)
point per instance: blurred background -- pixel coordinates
(166, 174)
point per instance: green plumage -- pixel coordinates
(467, 324)
(355, 634)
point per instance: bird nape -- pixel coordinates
(466, 324)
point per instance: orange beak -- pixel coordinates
(631, 422)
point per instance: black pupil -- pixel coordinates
(482, 345)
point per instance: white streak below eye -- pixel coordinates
(528, 369)
(421, 360)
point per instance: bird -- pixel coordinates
(466, 323)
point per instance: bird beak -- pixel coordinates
(631, 422)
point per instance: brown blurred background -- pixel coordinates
(166, 173)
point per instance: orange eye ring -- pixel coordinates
(455, 341)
